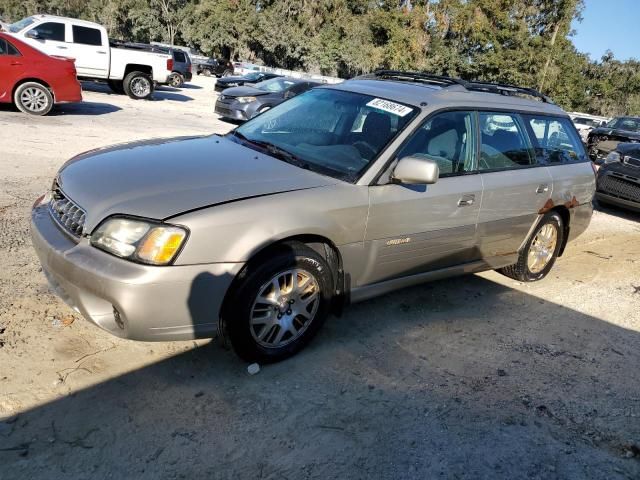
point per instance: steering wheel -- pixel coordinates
(366, 150)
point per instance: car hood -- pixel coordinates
(162, 178)
(245, 91)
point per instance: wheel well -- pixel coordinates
(322, 245)
(566, 219)
(36, 80)
(132, 67)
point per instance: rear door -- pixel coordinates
(418, 228)
(90, 48)
(516, 186)
(12, 68)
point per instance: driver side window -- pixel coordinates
(448, 139)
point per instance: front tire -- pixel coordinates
(278, 304)
(138, 85)
(33, 98)
(227, 73)
(540, 252)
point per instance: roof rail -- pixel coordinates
(444, 82)
(505, 89)
(422, 77)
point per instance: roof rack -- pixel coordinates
(429, 78)
(444, 82)
(505, 89)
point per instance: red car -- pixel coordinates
(33, 80)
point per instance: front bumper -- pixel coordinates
(233, 110)
(129, 300)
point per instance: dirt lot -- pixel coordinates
(475, 377)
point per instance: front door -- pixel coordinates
(50, 38)
(416, 228)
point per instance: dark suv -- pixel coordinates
(619, 177)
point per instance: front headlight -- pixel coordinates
(613, 157)
(246, 99)
(138, 240)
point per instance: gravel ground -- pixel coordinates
(474, 377)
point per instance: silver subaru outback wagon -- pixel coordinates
(342, 193)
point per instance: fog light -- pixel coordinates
(117, 318)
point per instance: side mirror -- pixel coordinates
(32, 34)
(414, 170)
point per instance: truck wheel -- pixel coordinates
(540, 252)
(138, 85)
(278, 304)
(33, 98)
(176, 80)
(116, 86)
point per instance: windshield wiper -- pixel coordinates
(275, 151)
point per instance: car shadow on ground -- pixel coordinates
(164, 93)
(80, 108)
(464, 378)
(617, 211)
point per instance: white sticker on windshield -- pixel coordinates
(390, 107)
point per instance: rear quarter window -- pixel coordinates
(555, 140)
(179, 57)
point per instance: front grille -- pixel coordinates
(619, 188)
(66, 213)
(633, 162)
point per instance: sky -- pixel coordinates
(609, 24)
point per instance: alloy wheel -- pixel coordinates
(34, 99)
(284, 307)
(542, 248)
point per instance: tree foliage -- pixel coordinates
(526, 42)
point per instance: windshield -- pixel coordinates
(25, 22)
(630, 124)
(274, 85)
(328, 131)
(252, 76)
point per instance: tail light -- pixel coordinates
(189, 68)
(170, 64)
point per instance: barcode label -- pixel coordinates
(390, 107)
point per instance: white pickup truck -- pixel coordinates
(127, 70)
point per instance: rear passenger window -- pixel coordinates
(86, 35)
(51, 31)
(448, 139)
(555, 140)
(504, 143)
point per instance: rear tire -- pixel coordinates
(287, 318)
(33, 98)
(227, 73)
(206, 72)
(176, 80)
(116, 86)
(138, 85)
(540, 252)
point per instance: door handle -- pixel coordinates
(101, 52)
(61, 47)
(543, 188)
(14, 64)
(466, 200)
